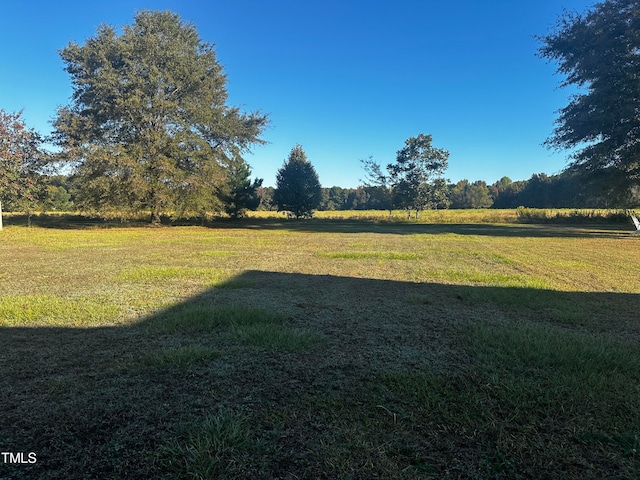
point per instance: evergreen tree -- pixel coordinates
(297, 186)
(240, 194)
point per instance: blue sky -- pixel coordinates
(345, 79)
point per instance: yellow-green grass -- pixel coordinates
(448, 216)
(267, 348)
(427, 216)
(483, 215)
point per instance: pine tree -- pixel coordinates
(297, 186)
(239, 194)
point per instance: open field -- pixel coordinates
(484, 215)
(321, 349)
(561, 216)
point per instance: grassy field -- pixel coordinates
(320, 349)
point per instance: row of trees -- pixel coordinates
(565, 190)
(414, 182)
(148, 128)
(55, 193)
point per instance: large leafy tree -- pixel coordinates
(21, 163)
(599, 53)
(148, 126)
(414, 181)
(298, 189)
(413, 177)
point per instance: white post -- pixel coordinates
(0, 215)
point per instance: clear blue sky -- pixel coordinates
(346, 79)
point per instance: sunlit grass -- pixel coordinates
(151, 274)
(49, 311)
(361, 255)
(486, 215)
(427, 216)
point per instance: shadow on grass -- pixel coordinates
(303, 376)
(405, 228)
(319, 225)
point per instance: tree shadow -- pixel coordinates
(405, 228)
(118, 401)
(322, 225)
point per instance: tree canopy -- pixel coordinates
(297, 186)
(470, 195)
(414, 181)
(21, 163)
(412, 177)
(148, 126)
(599, 52)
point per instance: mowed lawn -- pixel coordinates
(320, 349)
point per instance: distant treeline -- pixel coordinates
(566, 190)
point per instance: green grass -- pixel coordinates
(205, 318)
(268, 348)
(277, 337)
(588, 383)
(208, 448)
(181, 357)
(519, 215)
(253, 326)
(50, 310)
(155, 274)
(377, 255)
